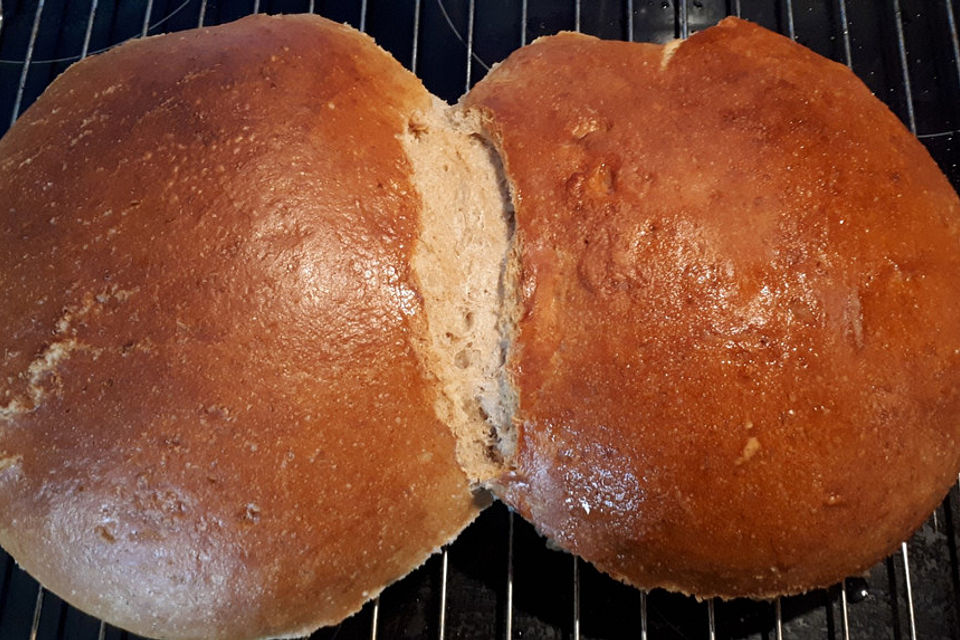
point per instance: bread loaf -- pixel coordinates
(737, 315)
(215, 420)
(274, 317)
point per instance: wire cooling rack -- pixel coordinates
(499, 579)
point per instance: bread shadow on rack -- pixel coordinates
(543, 596)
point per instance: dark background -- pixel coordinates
(905, 51)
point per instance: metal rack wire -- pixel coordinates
(907, 51)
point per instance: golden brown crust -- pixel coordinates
(213, 420)
(737, 354)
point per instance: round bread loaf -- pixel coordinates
(215, 419)
(737, 332)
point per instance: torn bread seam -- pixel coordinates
(460, 261)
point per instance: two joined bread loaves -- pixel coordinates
(275, 318)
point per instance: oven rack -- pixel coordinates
(498, 580)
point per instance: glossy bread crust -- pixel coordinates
(214, 422)
(739, 310)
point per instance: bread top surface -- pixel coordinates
(739, 310)
(214, 423)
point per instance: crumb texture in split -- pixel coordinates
(460, 263)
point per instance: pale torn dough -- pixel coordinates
(48, 361)
(853, 319)
(13, 409)
(89, 301)
(8, 461)
(45, 364)
(749, 449)
(669, 50)
(459, 259)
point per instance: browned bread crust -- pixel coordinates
(231, 319)
(213, 421)
(738, 338)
